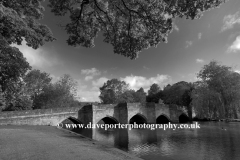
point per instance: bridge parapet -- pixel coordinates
(38, 117)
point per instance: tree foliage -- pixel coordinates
(111, 91)
(17, 99)
(140, 96)
(154, 93)
(35, 81)
(116, 91)
(2, 101)
(206, 102)
(129, 25)
(60, 94)
(13, 66)
(222, 85)
(127, 97)
(178, 93)
(19, 19)
(154, 88)
(132, 96)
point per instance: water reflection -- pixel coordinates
(210, 142)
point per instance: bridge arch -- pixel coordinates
(183, 118)
(162, 119)
(138, 119)
(108, 120)
(74, 120)
(70, 119)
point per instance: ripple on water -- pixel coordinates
(210, 142)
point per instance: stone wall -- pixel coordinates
(38, 116)
(162, 109)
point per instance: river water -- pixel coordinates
(210, 142)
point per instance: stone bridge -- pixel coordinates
(126, 113)
(123, 113)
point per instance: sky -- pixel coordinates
(191, 45)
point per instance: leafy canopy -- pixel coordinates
(35, 81)
(112, 90)
(224, 85)
(13, 66)
(129, 25)
(19, 21)
(179, 93)
(116, 91)
(57, 95)
(154, 88)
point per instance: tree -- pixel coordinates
(154, 93)
(129, 25)
(225, 83)
(127, 97)
(154, 88)
(67, 83)
(176, 93)
(132, 96)
(179, 94)
(140, 96)
(20, 103)
(206, 102)
(17, 99)
(111, 91)
(2, 101)
(35, 81)
(19, 21)
(59, 94)
(13, 66)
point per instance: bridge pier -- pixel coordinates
(85, 114)
(151, 112)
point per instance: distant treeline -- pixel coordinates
(215, 95)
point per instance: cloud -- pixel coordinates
(41, 57)
(192, 77)
(238, 71)
(88, 95)
(99, 82)
(235, 46)
(230, 20)
(136, 82)
(54, 78)
(188, 43)
(199, 35)
(90, 73)
(144, 67)
(200, 61)
(175, 27)
(91, 93)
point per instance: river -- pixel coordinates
(213, 141)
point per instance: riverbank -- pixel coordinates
(218, 120)
(50, 143)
